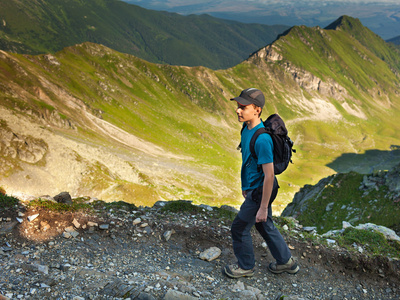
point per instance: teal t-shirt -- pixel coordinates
(251, 176)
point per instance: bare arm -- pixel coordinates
(269, 174)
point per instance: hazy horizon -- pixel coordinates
(381, 16)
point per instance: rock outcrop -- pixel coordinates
(374, 190)
(20, 147)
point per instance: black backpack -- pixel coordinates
(283, 145)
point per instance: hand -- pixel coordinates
(262, 215)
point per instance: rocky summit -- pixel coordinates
(120, 251)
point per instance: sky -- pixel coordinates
(381, 16)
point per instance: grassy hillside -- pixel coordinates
(43, 26)
(345, 99)
(351, 197)
(169, 119)
(110, 124)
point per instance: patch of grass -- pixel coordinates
(77, 204)
(348, 202)
(114, 205)
(181, 206)
(184, 206)
(290, 222)
(7, 201)
(224, 214)
(373, 242)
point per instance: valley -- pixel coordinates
(93, 121)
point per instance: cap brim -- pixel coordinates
(242, 101)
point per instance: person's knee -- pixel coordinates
(266, 229)
(238, 227)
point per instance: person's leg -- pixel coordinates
(242, 243)
(278, 247)
(276, 244)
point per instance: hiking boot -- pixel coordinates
(290, 267)
(234, 271)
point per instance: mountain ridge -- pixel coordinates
(380, 16)
(142, 132)
(158, 37)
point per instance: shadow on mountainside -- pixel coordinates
(367, 162)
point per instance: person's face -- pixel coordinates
(247, 113)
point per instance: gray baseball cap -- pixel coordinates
(250, 96)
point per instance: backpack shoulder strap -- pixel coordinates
(254, 139)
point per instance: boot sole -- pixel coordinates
(286, 270)
(237, 276)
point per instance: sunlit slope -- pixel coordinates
(117, 127)
(172, 121)
(337, 95)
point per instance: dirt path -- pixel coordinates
(136, 261)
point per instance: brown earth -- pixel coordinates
(333, 267)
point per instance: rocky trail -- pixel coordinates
(124, 252)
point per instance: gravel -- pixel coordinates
(149, 254)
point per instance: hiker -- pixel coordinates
(259, 188)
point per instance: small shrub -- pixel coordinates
(181, 206)
(54, 206)
(290, 222)
(99, 204)
(225, 214)
(7, 201)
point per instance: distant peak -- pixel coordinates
(345, 22)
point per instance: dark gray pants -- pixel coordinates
(241, 235)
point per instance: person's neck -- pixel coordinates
(253, 123)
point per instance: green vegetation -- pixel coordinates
(373, 243)
(81, 204)
(368, 242)
(174, 129)
(182, 206)
(159, 37)
(77, 205)
(101, 205)
(7, 201)
(342, 199)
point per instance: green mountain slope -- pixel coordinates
(43, 26)
(95, 121)
(367, 38)
(351, 197)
